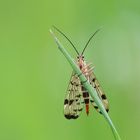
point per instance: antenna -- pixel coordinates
(90, 40)
(67, 39)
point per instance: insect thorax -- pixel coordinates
(82, 65)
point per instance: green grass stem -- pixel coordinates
(87, 85)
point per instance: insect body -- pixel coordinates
(77, 96)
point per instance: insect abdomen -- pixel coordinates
(86, 99)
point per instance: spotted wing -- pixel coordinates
(100, 93)
(73, 103)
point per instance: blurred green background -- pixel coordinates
(34, 74)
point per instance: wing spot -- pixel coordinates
(79, 95)
(71, 83)
(93, 80)
(91, 101)
(69, 116)
(100, 112)
(70, 102)
(96, 107)
(66, 101)
(78, 103)
(70, 90)
(107, 110)
(103, 96)
(80, 109)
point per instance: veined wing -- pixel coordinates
(73, 103)
(100, 93)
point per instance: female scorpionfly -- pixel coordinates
(77, 95)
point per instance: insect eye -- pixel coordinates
(82, 56)
(77, 57)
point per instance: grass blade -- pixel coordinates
(88, 86)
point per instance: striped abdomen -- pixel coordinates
(86, 99)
